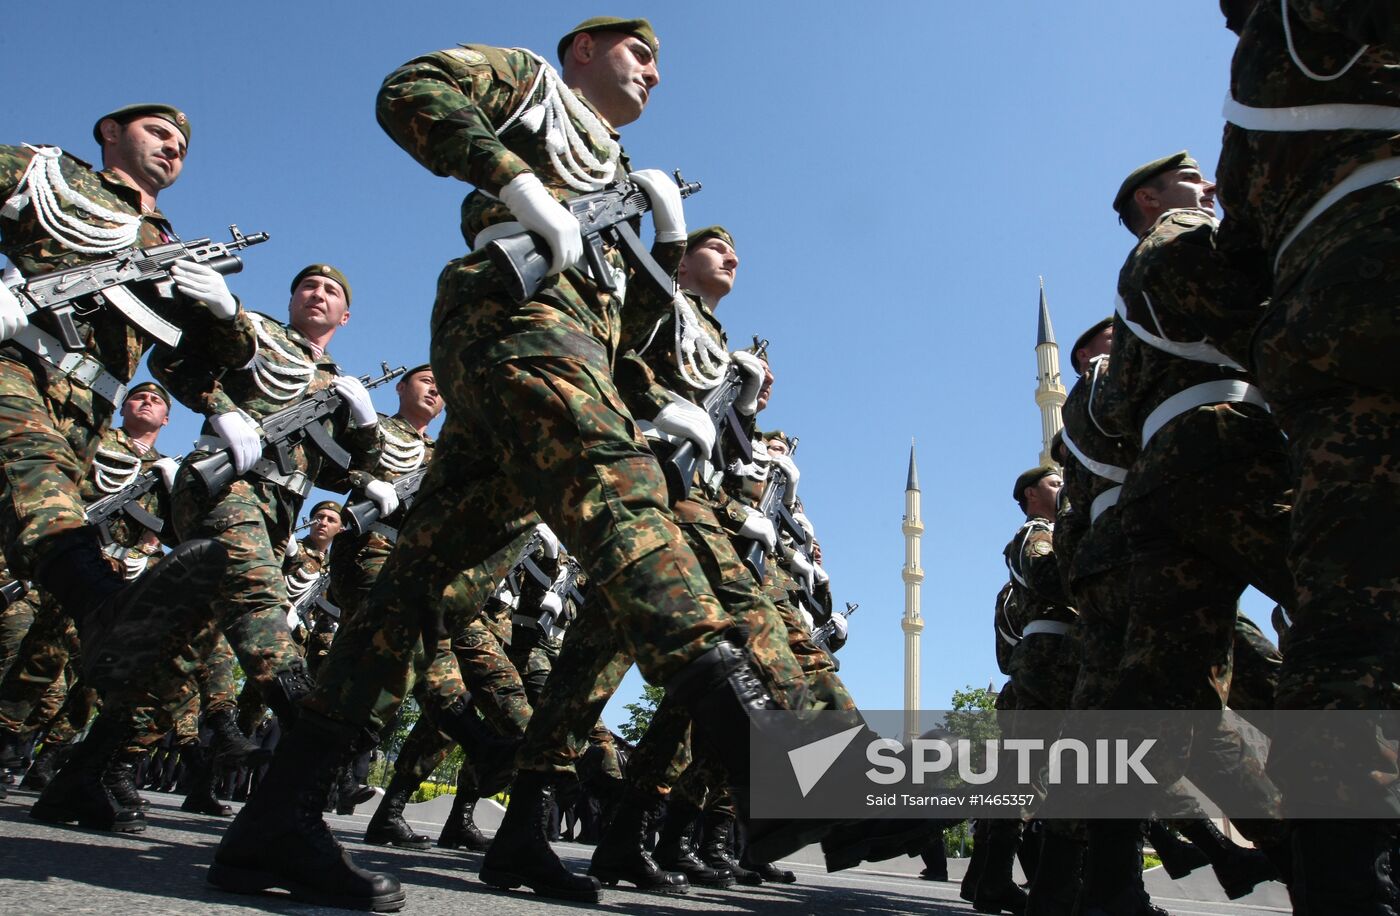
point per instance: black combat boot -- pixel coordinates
(1239, 870)
(46, 763)
(284, 695)
(115, 618)
(520, 854)
(492, 756)
(716, 843)
(120, 780)
(1179, 858)
(350, 792)
(460, 831)
(997, 891)
(11, 744)
(1057, 875)
(875, 840)
(977, 862)
(1113, 872)
(199, 777)
(230, 748)
(622, 850)
(279, 840)
(1343, 868)
(77, 793)
(387, 827)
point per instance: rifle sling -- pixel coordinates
(81, 369)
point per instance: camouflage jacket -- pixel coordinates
(1142, 376)
(1007, 631)
(284, 370)
(402, 450)
(302, 571)
(1035, 577)
(108, 337)
(1269, 178)
(117, 463)
(447, 110)
(1086, 546)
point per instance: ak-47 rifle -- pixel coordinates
(605, 218)
(362, 513)
(821, 636)
(285, 429)
(564, 586)
(126, 501)
(314, 600)
(103, 283)
(678, 462)
(772, 505)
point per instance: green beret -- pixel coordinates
(1083, 341)
(1057, 446)
(1144, 173)
(323, 270)
(150, 386)
(638, 27)
(325, 504)
(1029, 479)
(776, 434)
(128, 112)
(426, 367)
(717, 232)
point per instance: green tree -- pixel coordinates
(639, 714)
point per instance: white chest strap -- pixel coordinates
(1103, 502)
(1221, 391)
(1098, 468)
(1199, 351)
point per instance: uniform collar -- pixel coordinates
(119, 186)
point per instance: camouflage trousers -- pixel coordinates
(252, 521)
(825, 689)
(43, 656)
(210, 689)
(594, 657)
(46, 448)
(1044, 667)
(15, 622)
(356, 561)
(1325, 357)
(64, 710)
(529, 432)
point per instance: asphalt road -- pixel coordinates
(47, 869)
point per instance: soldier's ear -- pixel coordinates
(582, 49)
(110, 130)
(344, 319)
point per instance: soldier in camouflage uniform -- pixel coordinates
(1309, 186)
(253, 517)
(535, 422)
(307, 561)
(55, 409)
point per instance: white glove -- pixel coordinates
(12, 317)
(838, 620)
(383, 495)
(241, 434)
(806, 524)
(752, 368)
(552, 603)
(353, 392)
(539, 212)
(506, 596)
(820, 575)
(551, 540)
(687, 421)
(293, 548)
(667, 211)
(167, 468)
(203, 283)
(757, 527)
(784, 462)
(802, 570)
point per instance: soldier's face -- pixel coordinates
(148, 149)
(709, 269)
(145, 408)
(419, 394)
(765, 393)
(1041, 496)
(1186, 189)
(318, 305)
(325, 525)
(777, 447)
(624, 73)
(1101, 344)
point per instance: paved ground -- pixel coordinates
(52, 870)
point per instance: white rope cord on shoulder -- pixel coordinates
(400, 455)
(42, 184)
(554, 113)
(281, 380)
(113, 470)
(1293, 52)
(701, 361)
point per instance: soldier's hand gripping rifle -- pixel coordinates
(361, 513)
(313, 601)
(103, 284)
(126, 501)
(605, 218)
(772, 505)
(564, 586)
(679, 461)
(285, 429)
(821, 636)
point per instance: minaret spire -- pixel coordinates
(1049, 392)
(913, 575)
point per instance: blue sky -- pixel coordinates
(896, 179)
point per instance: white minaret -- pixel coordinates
(913, 573)
(1049, 393)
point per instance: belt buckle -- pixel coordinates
(87, 371)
